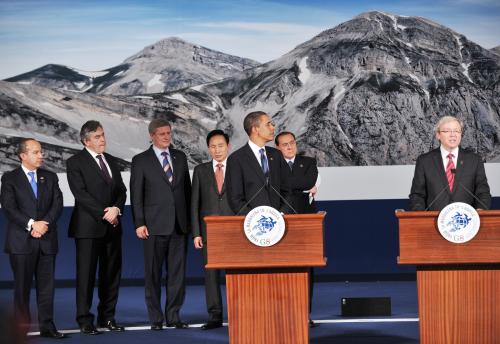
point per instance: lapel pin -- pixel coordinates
(271, 158)
(41, 180)
(301, 165)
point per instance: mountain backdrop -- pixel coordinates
(367, 92)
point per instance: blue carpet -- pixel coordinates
(401, 327)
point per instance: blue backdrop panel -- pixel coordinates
(361, 238)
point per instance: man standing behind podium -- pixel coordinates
(32, 202)
(257, 174)
(161, 196)
(449, 174)
(97, 185)
(209, 197)
(303, 177)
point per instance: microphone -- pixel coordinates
(283, 198)
(470, 193)
(437, 197)
(253, 197)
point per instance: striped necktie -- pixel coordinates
(449, 173)
(167, 168)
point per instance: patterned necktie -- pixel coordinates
(219, 177)
(167, 168)
(264, 163)
(290, 164)
(34, 187)
(449, 174)
(104, 169)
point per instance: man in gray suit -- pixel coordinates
(209, 198)
(449, 173)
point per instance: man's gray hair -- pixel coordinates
(158, 123)
(447, 119)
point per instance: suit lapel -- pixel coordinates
(93, 164)
(41, 185)
(458, 169)
(254, 164)
(157, 166)
(438, 162)
(25, 184)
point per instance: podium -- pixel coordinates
(458, 284)
(267, 287)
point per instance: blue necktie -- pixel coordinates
(167, 168)
(290, 164)
(264, 163)
(33, 183)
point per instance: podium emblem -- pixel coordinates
(458, 222)
(264, 226)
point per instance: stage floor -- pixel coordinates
(401, 327)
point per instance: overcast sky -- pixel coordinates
(97, 34)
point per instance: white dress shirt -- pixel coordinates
(444, 156)
(160, 157)
(215, 163)
(256, 151)
(94, 155)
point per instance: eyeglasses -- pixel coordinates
(289, 144)
(458, 132)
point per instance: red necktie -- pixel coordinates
(219, 177)
(449, 174)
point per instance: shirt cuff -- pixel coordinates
(119, 211)
(30, 223)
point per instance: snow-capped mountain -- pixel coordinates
(496, 50)
(366, 92)
(169, 64)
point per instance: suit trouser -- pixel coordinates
(157, 248)
(107, 252)
(213, 295)
(42, 266)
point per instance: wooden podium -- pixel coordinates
(267, 287)
(458, 284)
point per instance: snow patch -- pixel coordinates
(465, 66)
(197, 88)
(155, 81)
(24, 82)
(213, 107)
(401, 27)
(305, 73)
(90, 74)
(119, 73)
(19, 92)
(142, 97)
(230, 66)
(178, 96)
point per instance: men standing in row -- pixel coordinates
(449, 174)
(97, 185)
(302, 179)
(257, 174)
(209, 197)
(32, 202)
(160, 196)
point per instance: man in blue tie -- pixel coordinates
(256, 174)
(160, 195)
(32, 203)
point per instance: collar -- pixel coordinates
(214, 163)
(255, 148)
(158, 151)
(94, 154)
(444, 153)
(25, 170)
(292, 160)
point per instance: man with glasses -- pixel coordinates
(449, 173)
(257, 174)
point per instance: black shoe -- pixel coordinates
(178, 325)
(112, 326)
(89, 329)
(312, 324)
(55, 334)
(211, 325)
(158, 326)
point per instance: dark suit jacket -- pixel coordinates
(430, 180)
(93, 194)
(205, 198)
(20, 205)
(244, 178)
(154, 200)
(303, 177)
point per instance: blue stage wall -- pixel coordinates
(361, 239)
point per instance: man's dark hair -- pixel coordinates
(21, 147)
(252, 120)
(277, 138)
(215, 133)
(158, 123)
(87, 128)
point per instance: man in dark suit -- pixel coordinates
(97, 185)
(209, 198)
(32, 203)
(303, 180)
(160, 195)
(449, 174)
(257, 174)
